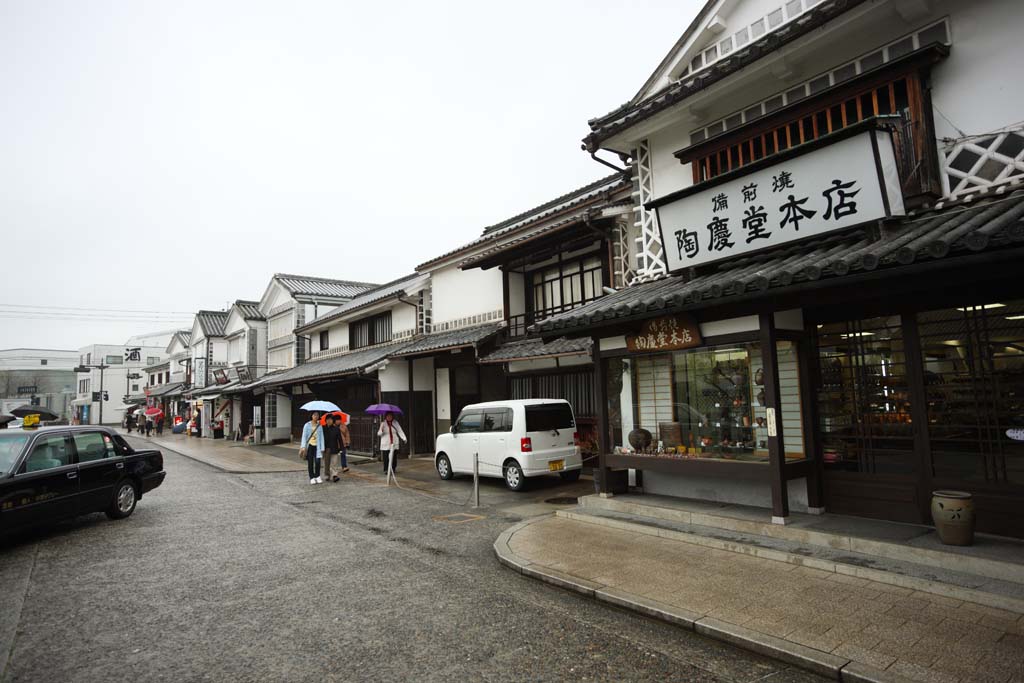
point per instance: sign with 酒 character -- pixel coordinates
(133, 354)
(669, 333)
(852, 181)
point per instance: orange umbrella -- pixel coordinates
(337, 415)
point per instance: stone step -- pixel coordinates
(956, 585)
(983, 559)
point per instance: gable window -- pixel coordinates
(369, 331)
(325, 340)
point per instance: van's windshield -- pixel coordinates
(549, 417)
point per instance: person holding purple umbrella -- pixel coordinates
(390, 432)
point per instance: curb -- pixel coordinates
(817, 661)
(832, 566)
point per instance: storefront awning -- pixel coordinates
(339, 366)
(81, 402)
(537, 349)
(450, 340)
(990, 223)
(165, 390)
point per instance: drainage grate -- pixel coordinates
(563, 500)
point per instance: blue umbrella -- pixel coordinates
(321, 406)
(383, 409)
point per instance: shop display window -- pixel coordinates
(973, 358)
(863, 398)
(701, 403)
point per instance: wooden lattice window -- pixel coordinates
(901, 95)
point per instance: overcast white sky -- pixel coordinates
(170, 156)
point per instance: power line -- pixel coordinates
(88, 308)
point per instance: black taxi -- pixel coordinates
(53, 473)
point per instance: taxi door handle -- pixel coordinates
(120, 465)
(72, 475)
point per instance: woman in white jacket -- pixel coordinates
(390, 432)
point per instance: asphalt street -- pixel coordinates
(263, 577)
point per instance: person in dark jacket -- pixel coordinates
(332, 445)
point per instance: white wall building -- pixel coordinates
(112, 383)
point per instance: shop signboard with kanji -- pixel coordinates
(852, 181)
(669, 333)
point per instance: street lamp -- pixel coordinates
(101, 367)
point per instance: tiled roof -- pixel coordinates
(305, 285)
(521, 239)
(397, 288)
(250, 310)
(452, 339)
(958, 228)
(212, 323)
(165, 389)
(630, 114)
(545, 210)
(532, 349)
(347, 364)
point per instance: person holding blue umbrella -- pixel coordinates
(312, 445)
(390, 432)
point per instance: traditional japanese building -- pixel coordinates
(823, 308)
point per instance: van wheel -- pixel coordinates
(125, 499)
(514, 478)
(444, 467)
(571, 475)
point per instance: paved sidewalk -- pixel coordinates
(828, 622)
(229, 456)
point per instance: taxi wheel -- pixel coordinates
(570, 475)
(125, 499)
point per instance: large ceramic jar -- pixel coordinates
(953, 514)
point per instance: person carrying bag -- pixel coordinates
(311, 446)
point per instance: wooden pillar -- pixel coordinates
(809, 381)
(776, 445)
(601, 474)
(412, 412)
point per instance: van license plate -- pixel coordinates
(556, 465)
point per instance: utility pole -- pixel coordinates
(101, 367)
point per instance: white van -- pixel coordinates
(514, 440)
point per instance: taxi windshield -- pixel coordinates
(10, 448)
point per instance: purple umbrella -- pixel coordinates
(383, 408)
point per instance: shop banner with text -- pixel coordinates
(849, 182)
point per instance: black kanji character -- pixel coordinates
(782, 181)
(686, 242)
(749, 192)
(720, 234)
(842, 207)
(793, 212)
(720, 201)
(754, 221)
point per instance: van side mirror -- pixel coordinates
(453, 430)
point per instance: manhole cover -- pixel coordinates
(562, 500)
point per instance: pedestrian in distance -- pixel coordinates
(311, 447)
(390, 432)
(160, 426)
(129, 422)
(346, 441)
(149, 426)
(332, 445)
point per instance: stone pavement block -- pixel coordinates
(857, 672)
(560, 579)
(864, 655)
(784, 649)
(937, 599)
(818, 641)
(920, 673)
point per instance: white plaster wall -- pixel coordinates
(977, 87)
(612, 343)
(579, 359)
(460, 293)
(443, 397)
(395, 377)
(338, 335)
(220, 350)
(423, 374)
(516, 294)
(527, 365)
(723, 490)
(278, 297)
(668, 174)
(403, 318)
(280, 359)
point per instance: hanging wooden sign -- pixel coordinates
(669, 333)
